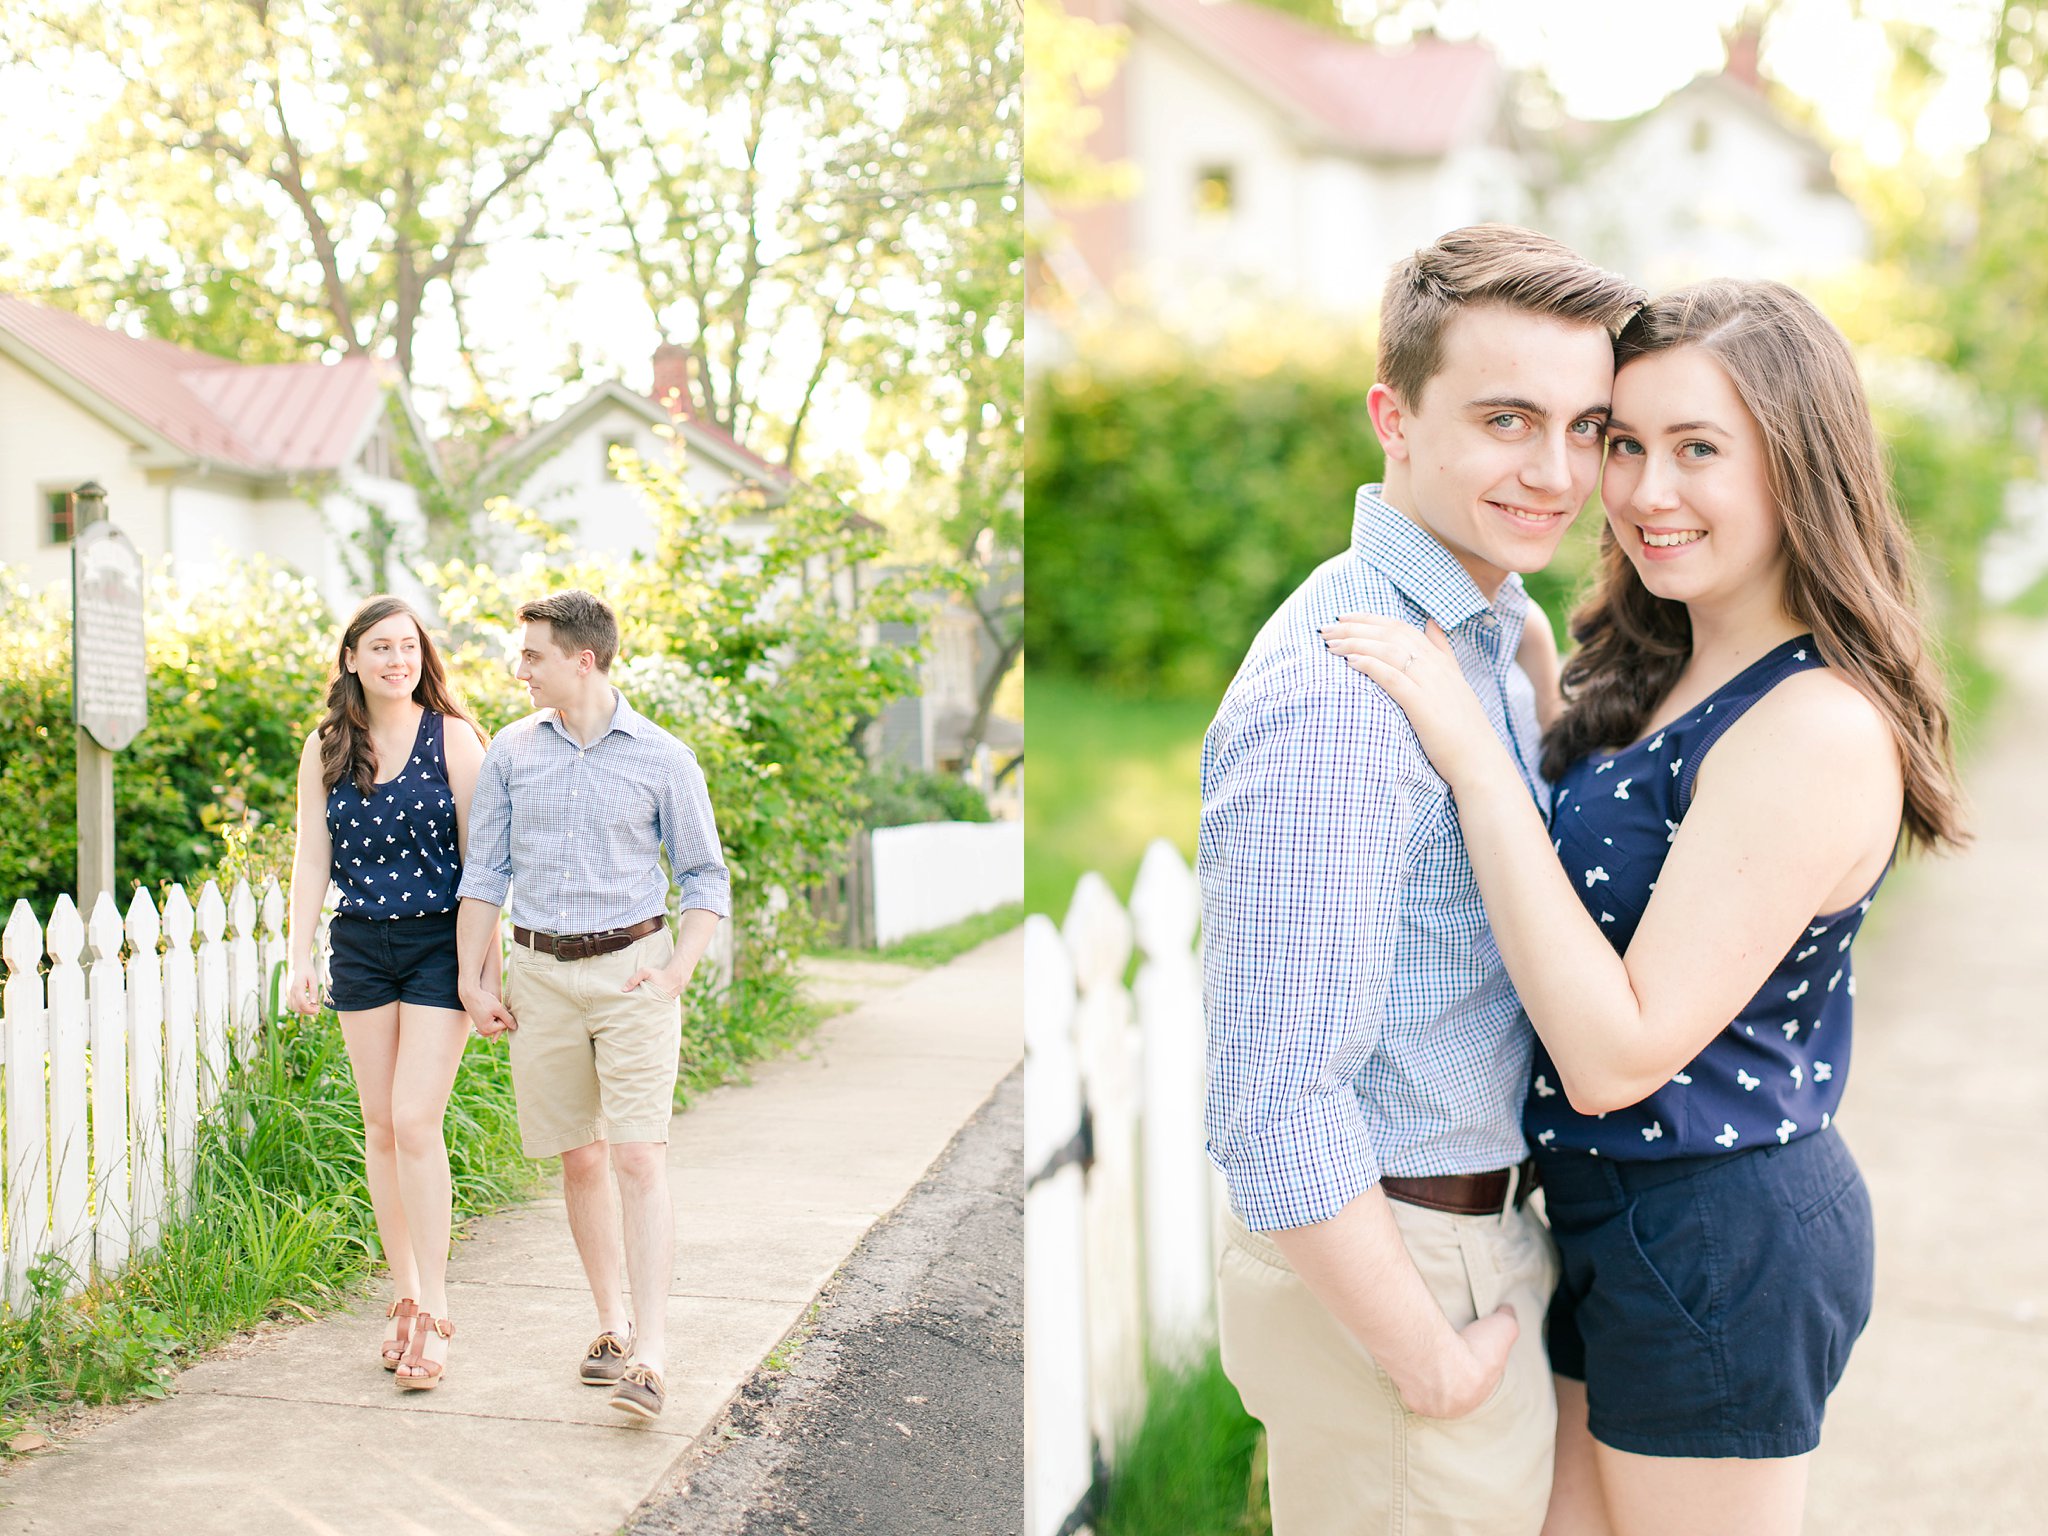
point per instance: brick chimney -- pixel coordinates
(1742, 51)
(672, 380)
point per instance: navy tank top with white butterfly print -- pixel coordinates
(395, 853)
(1776, 1072)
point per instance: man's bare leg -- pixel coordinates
(594, 1223)
(650, 1237)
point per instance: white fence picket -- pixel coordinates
(106, 992)
(245, 987)
(70, 1131)
(270, 950)
(1098, 937)
(27, 1045)
(1058, 1446)
(181, 1049)
(146, 1120)
(214, 1005)
(1179, 1184)
(1143, 1288)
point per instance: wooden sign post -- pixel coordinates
(109, 677)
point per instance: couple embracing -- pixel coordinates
(424, 827)
(1419, 840)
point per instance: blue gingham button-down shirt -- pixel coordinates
(1360, 1020)
(575, 830)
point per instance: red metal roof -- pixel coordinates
(265, 417)
(1416, 101)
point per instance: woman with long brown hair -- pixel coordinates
(1752, 724)
(384, 790)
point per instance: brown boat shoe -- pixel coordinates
(605, 1361)
(639, 1392)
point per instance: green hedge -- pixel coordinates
(1180, 493)
(900, 796)
(237, 671)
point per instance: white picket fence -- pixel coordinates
(1121, 1206)
(109, 1061)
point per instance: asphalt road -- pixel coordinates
(900, 1407)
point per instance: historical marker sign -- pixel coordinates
(109, 668)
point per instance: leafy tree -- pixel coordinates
(810, 208)
(279, 179)
(736, 644)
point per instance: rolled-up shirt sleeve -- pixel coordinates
(1306, 820)
(487, 865)
(690, 834)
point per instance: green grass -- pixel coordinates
(1108, 775)
(941, 944)
(1188, 1471)
(723, 1035)
(280, 1218)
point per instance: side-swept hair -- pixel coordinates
(581, 621)
(1487, 264)
(1849, 569)
(346, 748)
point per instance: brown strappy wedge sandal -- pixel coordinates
(424, 1322)
(393, 1350)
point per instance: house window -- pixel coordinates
(604, 458)
(1215, 191)
(60, 519)
(1702, 135)
(380, 456)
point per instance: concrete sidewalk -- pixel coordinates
(1938, 1422)
(774, 1183)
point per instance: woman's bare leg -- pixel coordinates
(430, 1042)
(1578, 1505)
(1685, 1496)
(372, 1038)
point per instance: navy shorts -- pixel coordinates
(374, 961)
(1709, 1303)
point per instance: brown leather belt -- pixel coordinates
(1464, 1194)
(581, 946)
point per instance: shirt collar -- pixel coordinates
(1422, 568)
(624, 718)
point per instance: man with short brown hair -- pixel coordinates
(574, 805)
(1382, 1288)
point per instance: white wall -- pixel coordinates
(1706, 187)
(573, 486)
(1185, 117)
(47, 443)
(938, 872)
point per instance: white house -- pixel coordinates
(1280, 161)
(202, 457)
(562, 470)
(1714, 181)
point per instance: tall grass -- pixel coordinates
(1191, 1468)
(279, 1218)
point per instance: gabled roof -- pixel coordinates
(182, 405)
(1418, 102)
(697, 435)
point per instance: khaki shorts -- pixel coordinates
(1344, 1457)
(589, 1062)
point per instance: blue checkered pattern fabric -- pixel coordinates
(575, 831)
(1360, 1020)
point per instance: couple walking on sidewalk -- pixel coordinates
(424, 829)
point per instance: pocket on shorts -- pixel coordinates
(1816, 1173)
(1671, 1255)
